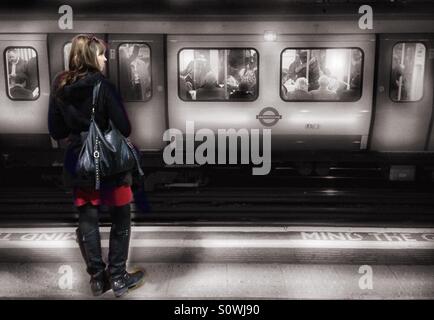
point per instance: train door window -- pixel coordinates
(66, 52)
(326, 74)
(408, 67)
(22, 73)
(218, 74)
(135, 71)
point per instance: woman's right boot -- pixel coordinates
(90, 247)
(121, 280)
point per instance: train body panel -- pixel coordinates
(303, 124)
(220, 25)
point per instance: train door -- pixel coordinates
(24, 92)
(136, 66)
(404, 96)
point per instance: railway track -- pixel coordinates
(273, 204)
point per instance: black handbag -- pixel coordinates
(105, 154)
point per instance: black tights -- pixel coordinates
(88, 218)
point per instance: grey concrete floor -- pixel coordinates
(239, 262)
(227, 281)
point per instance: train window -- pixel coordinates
(218, 74)
(326, 74)
(408, 67)
(22, 73)
(135, 71)
(66, 51)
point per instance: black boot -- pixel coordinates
(121, 280)
(90, 247)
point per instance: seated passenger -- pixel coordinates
(243, 92)
(32, 72)
(288, 86)
(18, 88)
(184, 89)
(231, 83)
(300, 90)
(323, 92)
(210, 90)
(354, 92)
(17, 66)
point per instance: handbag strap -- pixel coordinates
(133, 151)
(96, 151)
(95, 94)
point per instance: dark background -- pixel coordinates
(94, 8)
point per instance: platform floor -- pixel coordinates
(230, 263)
(226, 281)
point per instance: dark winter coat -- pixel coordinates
(69, 114)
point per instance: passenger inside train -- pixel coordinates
(352, 93)
(408, 63)
(330, 74)
(234, 71)
(243, 92)
(17, 88)
(323, 92)
(134, 71)
(22, 74)
(301, 90)
(210, 90)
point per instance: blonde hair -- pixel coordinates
(83, 58)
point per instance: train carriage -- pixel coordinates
(376, 106)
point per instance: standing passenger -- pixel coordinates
(69, 116)
(125, 74)
(17, 67)
(32, 72)
(136, 66)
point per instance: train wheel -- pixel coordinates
(204, 180)
(322, 168)
(157, 179)
(385, 171)
(305, 168)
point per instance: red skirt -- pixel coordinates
(118, 196)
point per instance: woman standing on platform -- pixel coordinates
(68, 117)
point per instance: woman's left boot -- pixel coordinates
(90, 247)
